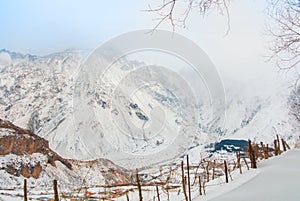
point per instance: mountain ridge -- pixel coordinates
(38, 95)
(23, 154)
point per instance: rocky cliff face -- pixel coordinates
(18, 141)
(23, 154)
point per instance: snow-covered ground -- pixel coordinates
(38, 93)
(275, 179)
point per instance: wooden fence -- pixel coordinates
(183, 178)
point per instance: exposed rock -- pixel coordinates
(113, 174)
(23, 153)
(25, 171)
(24, 142)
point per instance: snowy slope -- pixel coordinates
(275, 179)
(38, 93)
(26, 155)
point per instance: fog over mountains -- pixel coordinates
(37, 93)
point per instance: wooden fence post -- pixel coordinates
(168, 195)
(286, 144)
(278, 144)
(226, 171)
(139, 185)
(189, 181)
(207, 171)
(157, 192)
(25, 189)
(275, 148)
(246, 163)
(283, 144)
(200, 186)
(252, 155)
(238, 156)
(213, 173)
(264, 150)
(183, 181)
(55, 189)
(257, 153)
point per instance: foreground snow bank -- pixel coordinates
(275, 179)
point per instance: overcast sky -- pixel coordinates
(43, 27)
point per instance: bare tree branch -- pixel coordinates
(284, 13)
(286, 43)
(167, 11)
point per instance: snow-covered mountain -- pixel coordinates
(84, 119)
(26, 155)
